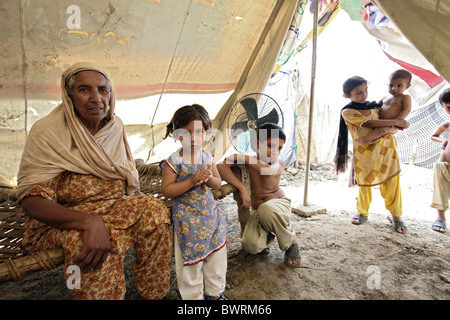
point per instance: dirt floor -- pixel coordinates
(340, 260)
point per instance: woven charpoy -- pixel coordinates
(15, 262)
(12, 227)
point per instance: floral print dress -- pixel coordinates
(142, 221)
(200, 224)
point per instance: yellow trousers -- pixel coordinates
(391, 193)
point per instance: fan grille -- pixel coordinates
(248, 112)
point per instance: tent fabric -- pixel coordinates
(146, 46)
(294, 44)
(257, 72)
(149, 47)
(400, 50)
(414, 144)
(153, 48)
(426, 25)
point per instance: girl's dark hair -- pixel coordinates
(444, 96)
(186, 114)
(352, 83)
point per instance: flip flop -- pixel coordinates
(292, 253)
(396, 224)
(361, 219)
(440, 224)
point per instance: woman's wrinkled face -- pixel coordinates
(90, 96)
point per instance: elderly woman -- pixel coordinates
(79, 187)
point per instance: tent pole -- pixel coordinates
(311, 102)
(165, 80)
(24, 65)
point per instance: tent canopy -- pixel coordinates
(153, 48)
(147, 46)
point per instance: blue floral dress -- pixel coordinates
(200, 224)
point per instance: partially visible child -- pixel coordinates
(374, 163)
(396, 105)
(441, 178)
(271, 210)
(200, 224)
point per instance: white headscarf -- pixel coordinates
(60, 142)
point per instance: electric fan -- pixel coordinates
(246, 115)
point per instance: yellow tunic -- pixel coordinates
(374, 162)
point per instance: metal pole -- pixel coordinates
(311, 102)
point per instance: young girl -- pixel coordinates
(375, 163)
(200, 225)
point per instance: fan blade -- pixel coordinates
(271, 117)
(241, 125)
(251, 108)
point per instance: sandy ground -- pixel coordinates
(341, 261)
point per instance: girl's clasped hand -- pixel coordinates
(202, 176)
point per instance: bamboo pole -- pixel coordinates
(15, 269)
(311, 102)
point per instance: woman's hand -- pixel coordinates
(96, 245)
(95, 236)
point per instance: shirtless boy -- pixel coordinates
(396, 105)
(271, 210)
(441, 179)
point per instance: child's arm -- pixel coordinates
(213, 180)
(436, 136)
(228, 176)
(378, 123)
(255, 163)
(170, 188)
(376, 133)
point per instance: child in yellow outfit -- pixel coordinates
(375, 163)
